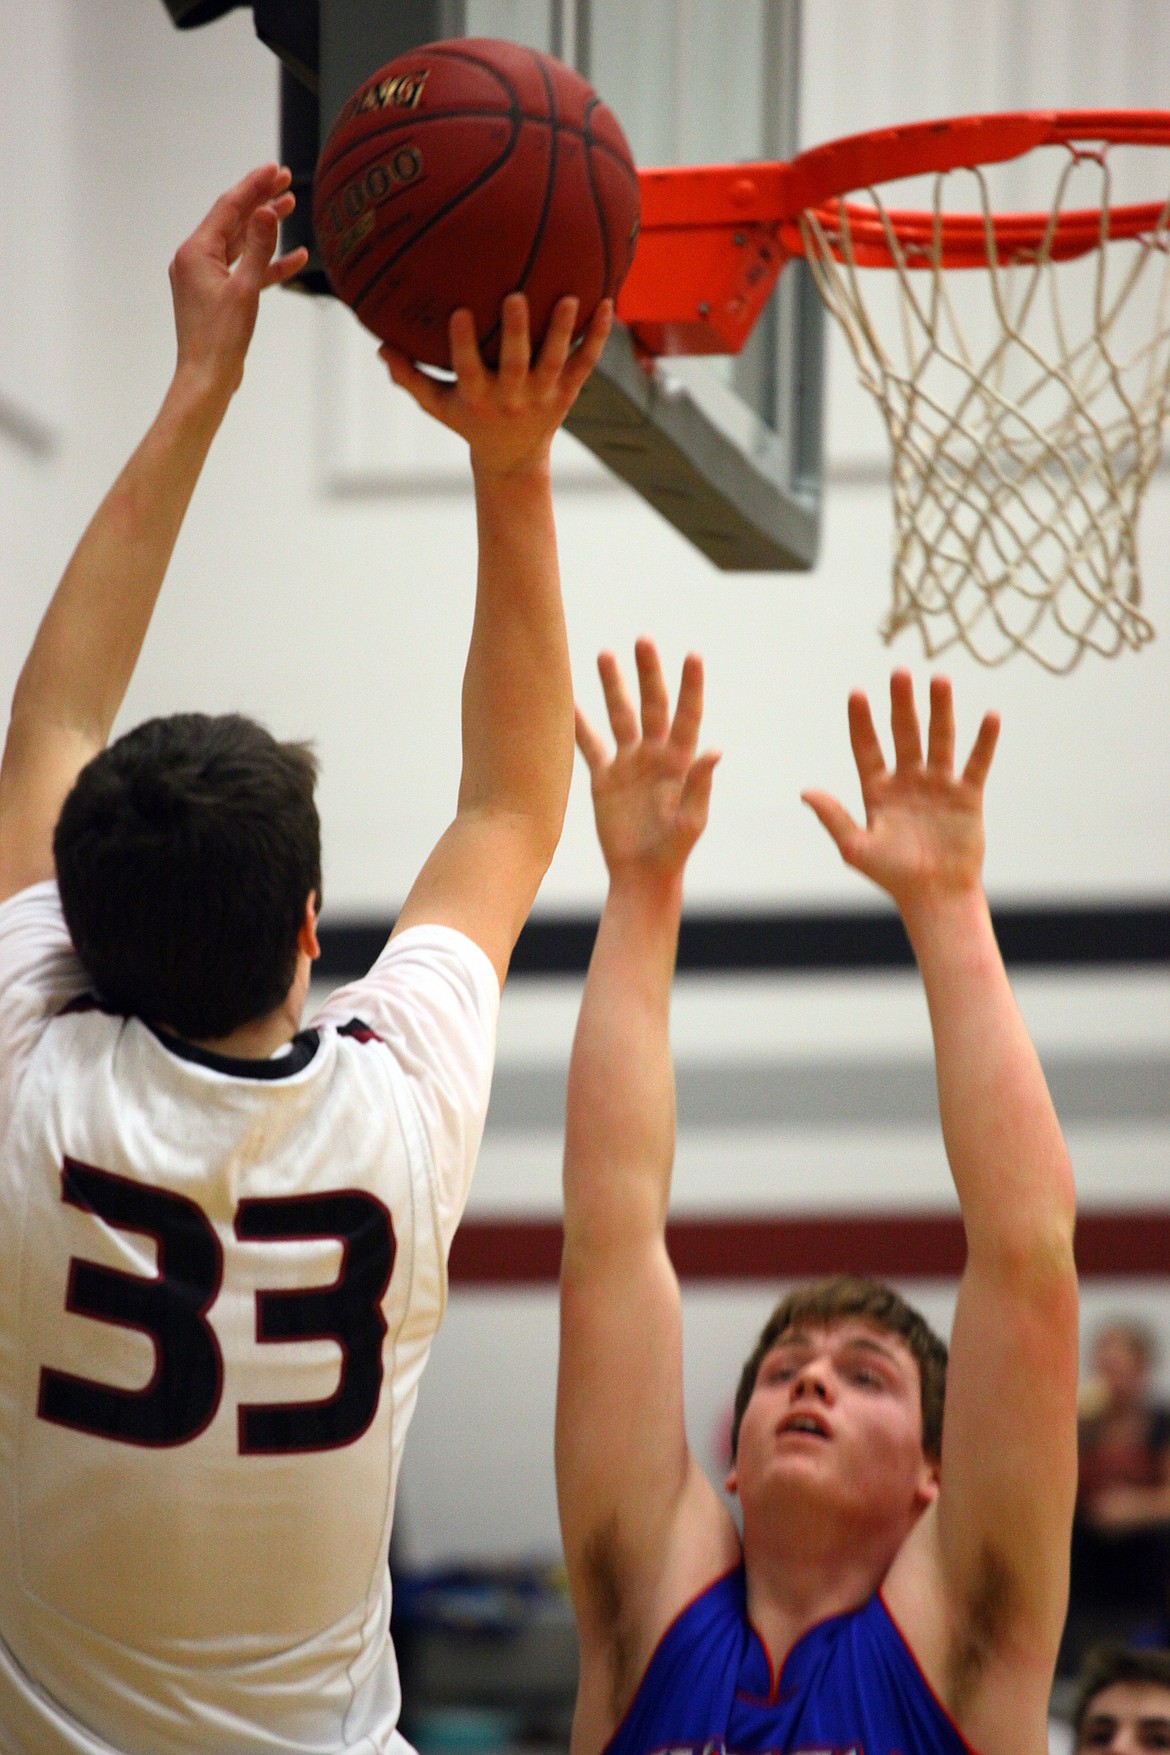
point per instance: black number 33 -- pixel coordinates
(171, 1308)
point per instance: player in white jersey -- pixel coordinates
(223, 1239)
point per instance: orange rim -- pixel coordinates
(816, 180)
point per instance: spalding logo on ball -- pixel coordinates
(466, 170)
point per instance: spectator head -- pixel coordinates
(1122, 1357)
(1123, 1703)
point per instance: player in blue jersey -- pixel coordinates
(900, 1583)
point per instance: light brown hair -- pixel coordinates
(830, 1301)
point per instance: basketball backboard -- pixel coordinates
(726, 448)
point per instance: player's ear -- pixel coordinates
(929, 1482)
(307, 936)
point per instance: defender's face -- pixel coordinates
(1127, 1718)
(836, 1417)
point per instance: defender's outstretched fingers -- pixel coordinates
(557, 341)
(590, 744)
(904, 721)
(979, 761)
(623, 720)
(430, 396)
(695, 802)
(832, 815)
(515, 342)
(864, 740)
(940, 742)
(688, 712)
(652, 691)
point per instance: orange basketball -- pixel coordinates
(465, 170)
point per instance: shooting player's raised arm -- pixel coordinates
(84, 654)
(484, 873)
(980, 1587)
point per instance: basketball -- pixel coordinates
(466, 170)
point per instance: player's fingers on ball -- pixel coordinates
(940, 744)
(652, 690)
(431, 397)
(597, 334)
(904, 720)
(582, 362)
(466, 361)
(589, 742)
(688, 712)
(864, 740)
(623, 720)
(558, 339)
(515, 346)
(832, 815)
(979, 761)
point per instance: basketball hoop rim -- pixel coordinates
(816, 181)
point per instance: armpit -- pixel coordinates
(991, 1609)
(601, 1566)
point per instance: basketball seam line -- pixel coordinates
(549, 182)
(597, 207)
(394, 123)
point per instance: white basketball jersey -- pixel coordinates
(219, 1283)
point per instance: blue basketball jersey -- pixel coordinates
(850, 1684)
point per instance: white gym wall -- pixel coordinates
(323, 583)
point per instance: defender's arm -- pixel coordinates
(484, 873)
(84, 654)
(636, 1511)
(980, 1587)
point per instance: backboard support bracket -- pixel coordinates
(680, 444)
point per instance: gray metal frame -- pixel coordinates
(714, 469)
(736, 470)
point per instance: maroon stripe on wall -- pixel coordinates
(917, 1246)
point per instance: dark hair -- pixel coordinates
(1107, 1664)
(185, 853)
(830, 1301)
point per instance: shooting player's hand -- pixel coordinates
(650, 798)
(508, 416)
(218, 274)
(923, 835)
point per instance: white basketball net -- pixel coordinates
(1025, 411)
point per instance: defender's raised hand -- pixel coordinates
(218, 274)
(923, 833)
(650, 798)
(508, 416)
